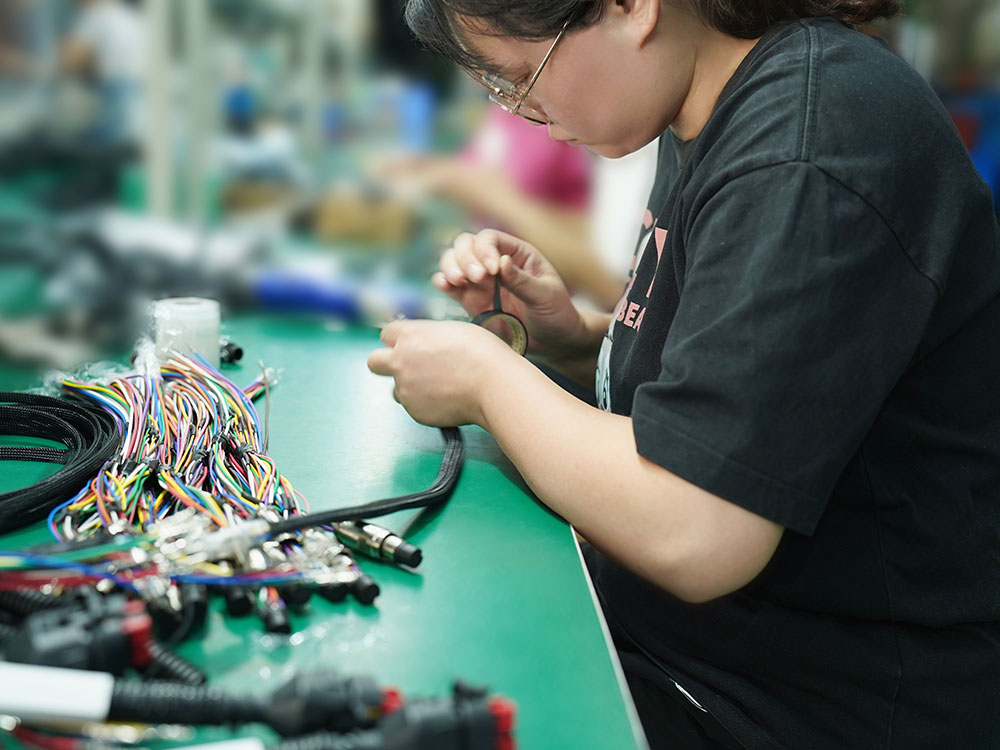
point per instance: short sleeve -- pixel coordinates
(799, 311)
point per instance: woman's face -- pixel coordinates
(613, 87)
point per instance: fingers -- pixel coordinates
(380, 360)
(441, 283)
(473, 258)
(450, 267)
(390, 332)
(494, 244)
(466, 255)
(522, 283)
(378, 363)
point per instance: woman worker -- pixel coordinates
(792, 486)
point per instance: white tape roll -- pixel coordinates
(187, 325)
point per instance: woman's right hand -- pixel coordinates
(530, 289)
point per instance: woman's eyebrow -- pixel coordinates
(490, 68)
(519, 77)
(516, 74)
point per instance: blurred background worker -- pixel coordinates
(106, 47)
(511, 175)
(16, 48)
(577, 206)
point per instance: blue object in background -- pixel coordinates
(416, 110)
(978, 119)
(239, 106)
(334, 121)
(350, 299)
(275, 290)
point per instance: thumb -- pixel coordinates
(524, 284)
(379, 362)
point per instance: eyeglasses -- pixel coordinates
(510, 98)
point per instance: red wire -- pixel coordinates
(45, 741)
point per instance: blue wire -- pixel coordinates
(44, 561)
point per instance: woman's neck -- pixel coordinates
(718, 57)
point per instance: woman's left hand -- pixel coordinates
(441, 368)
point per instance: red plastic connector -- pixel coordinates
(504, 712)
(137, 625)
(392, 700)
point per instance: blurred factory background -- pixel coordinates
(307, 156)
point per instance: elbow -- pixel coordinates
(703, 592)
(709, 569)
(694, 585)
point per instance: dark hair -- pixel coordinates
(433, 21)
(749, 19)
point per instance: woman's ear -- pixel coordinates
(640, 17)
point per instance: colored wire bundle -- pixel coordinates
(190, 439)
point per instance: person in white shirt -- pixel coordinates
(107, 46)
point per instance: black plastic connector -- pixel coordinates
(72, 638)
(314, 701)
(463, 722)
(175, 625)
(364, 589)
(239, 601)
(229, 352)
(333, 592)
(275, 618)
(97, 633)
(296, 595)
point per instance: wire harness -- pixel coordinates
(185, 494)
(168, 491)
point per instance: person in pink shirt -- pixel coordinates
(512, 175)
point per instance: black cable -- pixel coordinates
(440, 490)
(309, 702)
(91, 437)
(27, 602)
(171, 703)
(171, 666)
(370, 739)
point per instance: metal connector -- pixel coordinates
(377, 542)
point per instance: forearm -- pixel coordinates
(583, 463)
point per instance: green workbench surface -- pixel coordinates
(500, 599)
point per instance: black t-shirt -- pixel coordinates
(812, 332)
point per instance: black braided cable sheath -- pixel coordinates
(28, 602)
(370, 739)
(171, 703)
(170, 666)
(440, 490)
(91, 436)
(39, 453)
